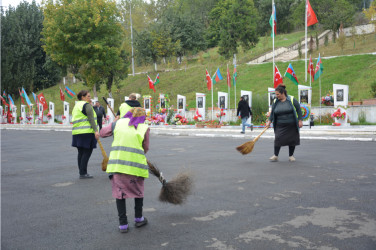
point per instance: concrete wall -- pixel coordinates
(361, 29)
(352, 111)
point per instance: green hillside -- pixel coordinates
(356, 71)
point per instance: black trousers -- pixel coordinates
(122, 210)
(99, 122)
(83, 159)
(291, 150)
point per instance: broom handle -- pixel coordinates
(256, 139)
(109, 106)
(102, 149)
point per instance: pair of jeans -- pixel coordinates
(244, 123)
(122, 210)
(83, 159)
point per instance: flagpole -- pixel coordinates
(320, 96)
(305, 47)
(273, 35)
(228, 87)
(212, 85)
(310, 72)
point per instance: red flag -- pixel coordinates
(151, 84)
(228, 78)
(22, 100)
(62, 96)
(277, 77)
(4, 102)
(208, 80)
(310, 69)
(311, 16)
(42, 101)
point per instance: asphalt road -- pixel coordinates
(324, 200)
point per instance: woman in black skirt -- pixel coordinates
(84, 132)
(286, 116)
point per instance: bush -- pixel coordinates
(326, 119)
(326, 40)
(259, 108)
(362, 118)
(373, 89)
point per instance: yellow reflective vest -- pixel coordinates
(127, 154)
(124, 108)
(81, 124)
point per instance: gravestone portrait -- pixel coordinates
(222, 102)
(200, 101)
(339, 95)
(180, 104)
(304, 96)
(147, 103)
(272, 97)
(163, 103)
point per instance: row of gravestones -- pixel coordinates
(304, 94)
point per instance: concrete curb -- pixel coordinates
(354, 133)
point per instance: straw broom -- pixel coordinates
(247, 147)
(105, 158)
(175, 191)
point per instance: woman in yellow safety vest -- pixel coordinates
(84, 132)
(127, 163)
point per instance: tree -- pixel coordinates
(330, 13)
(371, 13)
(237, 26)
(146, 53)
(87, 35)
(23, 61)
(284, 15)
(341, 38)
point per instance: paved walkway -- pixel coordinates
(350, 133)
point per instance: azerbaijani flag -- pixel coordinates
(35, 97)
(25, 97)
(273, 22)
(319, 68)
(156, 80)
(11, 102)
(234, 75)
(290, 73)
(69, 92)
(217, 76)
(5, 98)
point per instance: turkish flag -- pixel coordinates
(208, 80)
(277, 77)
(62, 96)
(311, 16)
(42, 101)
(151, 84)
(310, 69)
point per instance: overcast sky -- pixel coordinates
(15, 3)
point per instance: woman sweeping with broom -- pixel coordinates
(127, 163)
(286, 116)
